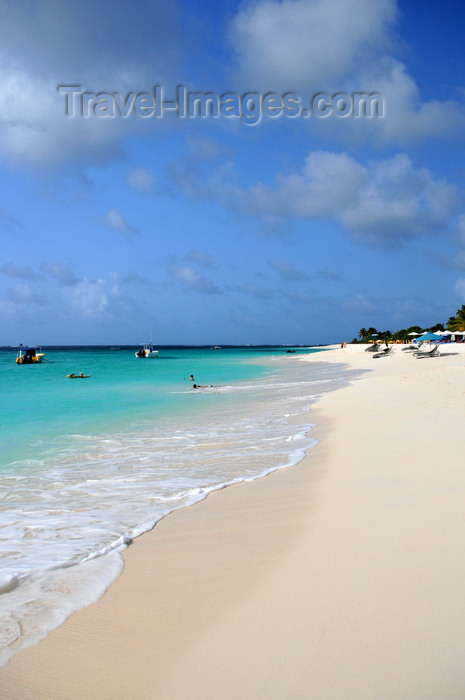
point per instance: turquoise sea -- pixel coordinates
(87, 465)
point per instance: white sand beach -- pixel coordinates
(341, 578)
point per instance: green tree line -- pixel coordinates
(455, 323)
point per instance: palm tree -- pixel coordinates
(457, 322)
(363, 333)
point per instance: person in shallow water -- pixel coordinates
(201, 386)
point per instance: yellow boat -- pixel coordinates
(29, 355)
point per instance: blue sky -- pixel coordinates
(211, 230)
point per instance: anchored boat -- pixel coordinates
(29, 355)
(147, 351)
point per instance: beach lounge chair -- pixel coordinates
(434, 352)
(384, 353)
(373, 348)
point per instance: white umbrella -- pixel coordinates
(414, 333)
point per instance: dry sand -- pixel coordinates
(342, 578)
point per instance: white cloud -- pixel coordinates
(384, 205)
(329, 46)
(87, 298)
(97, 299)
(83, 298)
(190, 278)
(328, 183)
(399, 202)
(407, 117)
(35, 129)
(314, 44)
(62, 42)
(114, 219)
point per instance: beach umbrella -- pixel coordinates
(413, 333)
(429, 336)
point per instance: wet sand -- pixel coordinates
(338, 579)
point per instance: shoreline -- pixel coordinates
(340, 577)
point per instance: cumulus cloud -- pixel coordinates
(328, 182)
(97, 299)
(297, 44)
(191, 279)
(92, 300)
(383, 205)
(114, 219)
(399, 202)
(329, 46)
(407, 116)
(88, 298)
(62, 42)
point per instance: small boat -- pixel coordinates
(78, 376)
(29, 355)
(147, 350)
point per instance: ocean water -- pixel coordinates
(87, 465)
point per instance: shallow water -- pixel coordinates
(87, 465)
